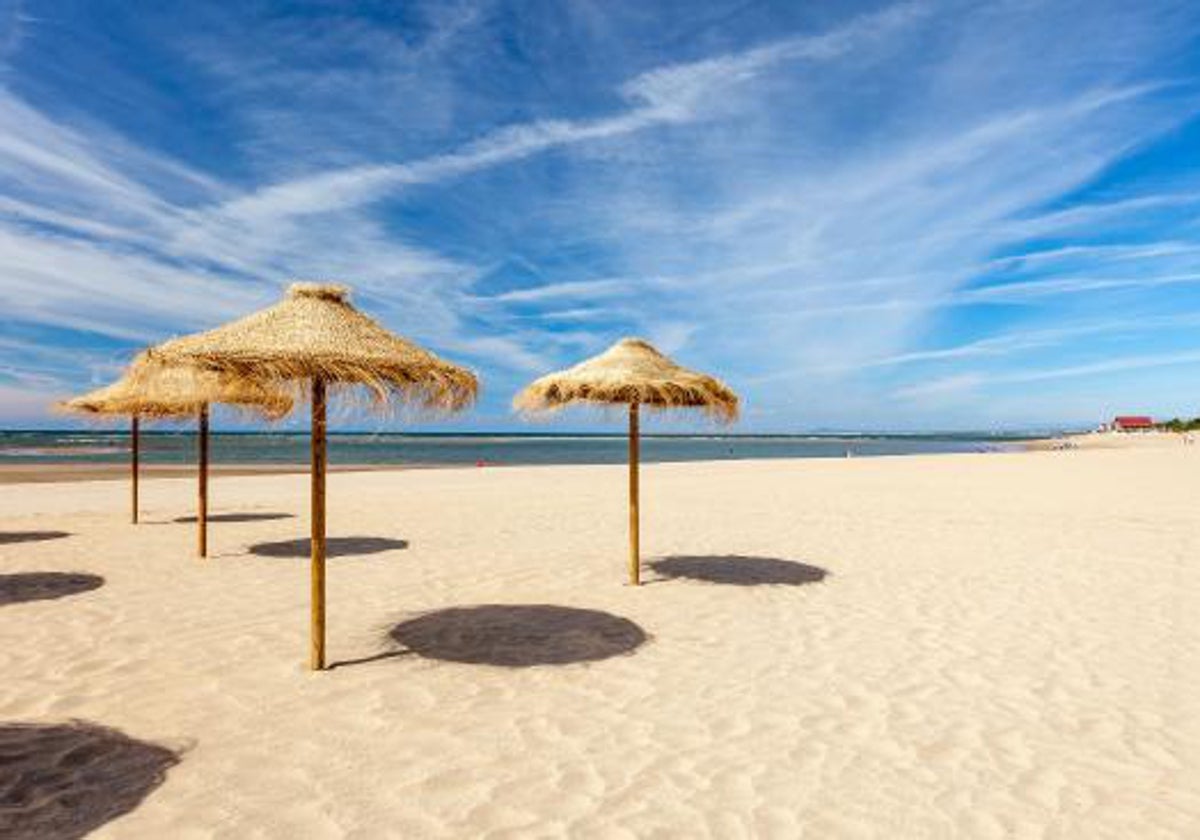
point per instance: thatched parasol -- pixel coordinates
(155, 391)
(631, 372)
(315, 337)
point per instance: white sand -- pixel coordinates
(1121, 440)
(1005, 646)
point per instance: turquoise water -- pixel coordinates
(33, 447)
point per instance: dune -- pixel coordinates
(983, 646)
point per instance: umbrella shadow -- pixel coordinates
(738, 570)
(10, 537)
(518, 635)
(239, 517)
(334, 547)
(67, 780)
(45, 586)
(366, 660)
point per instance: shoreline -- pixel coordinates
(67, 472)
(61, 472)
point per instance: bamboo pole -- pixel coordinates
(133, 463)
(635, 562)
(202, 498)
(317, 637)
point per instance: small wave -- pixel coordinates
(55, 451)
(73, 440)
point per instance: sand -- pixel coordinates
(979, 646)
(56, 473)
(1117, 440)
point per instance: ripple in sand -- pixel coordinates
(45, 586)
(67, 780)
(519, 635)
(334, 547)
(10, 537)
(740, 571)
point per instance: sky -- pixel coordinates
(877, 215)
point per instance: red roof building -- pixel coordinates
(1132, 423)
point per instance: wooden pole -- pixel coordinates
(317, 636)
(635, 561)
(202, 499)
(133, 464)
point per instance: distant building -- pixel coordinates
(1132, 423)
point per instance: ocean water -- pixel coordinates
(179, 447)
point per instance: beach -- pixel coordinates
(59, 473)
(944, 646)
(1114, 440)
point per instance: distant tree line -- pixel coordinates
(1178, 424)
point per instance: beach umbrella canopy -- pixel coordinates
(631, 372)
(156, 391)
(315, 335)
(316, 339)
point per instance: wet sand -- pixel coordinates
(57, 473)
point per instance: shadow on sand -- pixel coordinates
(366, 660)
(518, 635)
(44, 586)
(9, 537)
(740, 571)
(238, 517)
(67, 780)
(334, 547)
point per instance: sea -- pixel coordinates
(408, 449)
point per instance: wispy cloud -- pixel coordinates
(1023, 341)
(163, 238)
(674, 94)
(1033, 289)
(1098, 253)
(804, 209)
(586, 290)
(960, 384)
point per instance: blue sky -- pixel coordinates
(921, 215)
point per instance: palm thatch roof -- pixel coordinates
(154, 390)
(315, 333)
(631, 371)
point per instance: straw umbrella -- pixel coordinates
(631, 372)
(315, 338)
(154, 391)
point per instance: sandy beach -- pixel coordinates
(1115, 440)
(955, 646)
(61, 472)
